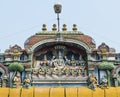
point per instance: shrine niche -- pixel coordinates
(103, 50)
(59, 61)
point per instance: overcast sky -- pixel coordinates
(19, 19)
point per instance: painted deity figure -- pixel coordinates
(4, 81)
(26, 82)
(73, 74)
(46, 62)
(83, 71)
(55, 73)
(60, 59)
(48, 74)
(73, 63)
(17, 80)
(67, 73)
(41, 73)
(34, 73)
(54, 62)
(104, 82)
(60, 73)
(79, 71)
(92, 82)
(67, 62)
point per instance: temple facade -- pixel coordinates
(66, 58)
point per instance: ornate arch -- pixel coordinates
(84, 45)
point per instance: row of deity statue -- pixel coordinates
(54, 62)
(17, 81)
(5, 82)
(62, 72)
(93, 82)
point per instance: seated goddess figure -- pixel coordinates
(17, 80)
(26, 82)
(35, 73)
(67, 74)
(48, 74)
(55, 73)
(41, 73)
(73, 62)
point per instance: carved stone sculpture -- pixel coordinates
(17, 80)
(4, 81)
(26, 82)
(92, 82)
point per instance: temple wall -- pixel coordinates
(59, 92)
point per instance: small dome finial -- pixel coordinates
(44, 27)
(64, 27)
(74, 27)
(54, 27)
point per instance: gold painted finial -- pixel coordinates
(44, 27)
(54, 27)
(74, 27)
(64, 27)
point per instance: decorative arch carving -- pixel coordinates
(84, 45)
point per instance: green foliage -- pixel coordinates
(16, 67)
(106, 66)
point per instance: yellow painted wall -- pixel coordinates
(14, 92)
(98, 92)
(111, 92)
(27, 92)
(71, 91)
(118, 91)
(41, 92)
(84, 92)
(59, 92)
(4, 92)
